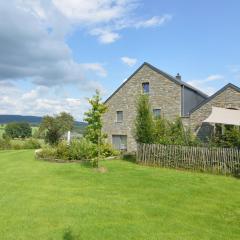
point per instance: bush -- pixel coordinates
(5, 143)
(78, 150)
(28, 144)
(108, 151)
(83, 149)
(47, 152)
(230, 138)
(31, 144)
(18, 130)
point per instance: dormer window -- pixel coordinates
(119, 117)
(145, 87)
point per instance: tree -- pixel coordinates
(144, 124)
(54, 127)
(93, 118)
(18, 130)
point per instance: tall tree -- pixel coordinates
(54, 127)
(144, 124)
(93, 118)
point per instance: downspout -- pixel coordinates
(182, 105)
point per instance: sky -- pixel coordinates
(54, 54)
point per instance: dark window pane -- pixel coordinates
(145, 87)
(157, 112)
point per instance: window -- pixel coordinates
(145, 87)
(119, 142)
(157, 113)
(119, 116)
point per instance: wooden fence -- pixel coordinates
(217, 160)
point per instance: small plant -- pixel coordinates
(46, 153)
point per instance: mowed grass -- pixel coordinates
(42, 200)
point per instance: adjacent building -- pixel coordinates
(169, 96)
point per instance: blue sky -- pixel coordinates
(56, 52)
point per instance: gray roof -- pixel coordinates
(215, 94)
(168, 76)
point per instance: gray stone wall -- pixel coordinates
(163, 94)
(229, 98)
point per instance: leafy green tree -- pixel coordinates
(18, 130)
(144, 125)
(161, 131)
(177, 133)
(93, 118)
(54, 127)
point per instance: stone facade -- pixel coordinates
(172, 96)
(163, 94)
(228, 97)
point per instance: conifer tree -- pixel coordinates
(144, 125)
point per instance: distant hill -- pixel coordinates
(34, 120)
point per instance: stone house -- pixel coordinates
(169, 96)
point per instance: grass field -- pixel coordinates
(42, 200)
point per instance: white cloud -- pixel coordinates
(105, 18)
(96, 67)
(129, 61)
(214, 77)
(39, 101)
(33, 48)
(204, 84)
(105, 36)
(154, 21)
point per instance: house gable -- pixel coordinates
(226, 97)
(166, 75)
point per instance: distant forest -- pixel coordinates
(33, 120)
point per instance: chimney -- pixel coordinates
(178, 77)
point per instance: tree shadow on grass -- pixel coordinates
(68, 235)
(129, 157)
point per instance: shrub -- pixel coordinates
(108, 151)
(28, 144)
(63, 150)
(16, 146)
(18, 130)
(46, 153)
(5, 143)
(31, 144)
(83, 149)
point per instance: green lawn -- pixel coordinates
(42, 200)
